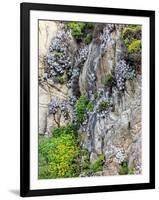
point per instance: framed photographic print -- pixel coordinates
(87, 99)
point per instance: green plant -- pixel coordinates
(135, 46)
(103, 106)
(87, 168)
(108, 80)
(88, 38)
(130, 75)
(81, 108)
(42, 160)
(58, 155)
(60, 79)
(90, 106)
(98, 164)
(81, 31)
(124, 169)
(96, 95)
(69, 129)
(77, 29)
(130, 33)
(132, 38)
(84, 160)
(131, 171)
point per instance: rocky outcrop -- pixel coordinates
(47, 91)
(51, 88)
(101, 71)
(116, 133)
(47, 30)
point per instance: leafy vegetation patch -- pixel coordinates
(87, 168)
(103, 106)
(98, 165)
(82, 106)
(135, 46)
(132, 38)
(81, 31)
(124, 169)
(60, 79)
(58, 156)
(90, 106)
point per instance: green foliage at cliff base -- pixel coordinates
(58, 155)
(124, 169)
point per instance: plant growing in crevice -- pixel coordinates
(124, 169)
(59, 58)
(90, 107)
(84, 162)
(135, 46)
(82, 106)
(108, 80)
(123, 72)
(105, 37)
(132, 38)
(98, 164)
(131, 33)
(58, 108)
(60, 79)
(103, 106)
(81, 31)
(87, 168)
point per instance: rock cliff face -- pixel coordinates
(103, 71)
(48, 88)
(116, 131)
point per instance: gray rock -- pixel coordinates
(93, 157)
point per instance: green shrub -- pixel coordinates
(60, 79)
(135, 46)
(81, 31)
(87, 168)
(69, 129)
(90, 106)
(131, 171)
(98, 165)
(77, 29)
(103, 106)
(58, 156)
(88, 38)
(81, 108)
(130, 33)
(124, 169)
(42, 162)
(85, 160)
(132, 38)
(130, 29)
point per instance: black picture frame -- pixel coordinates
(25, 9)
